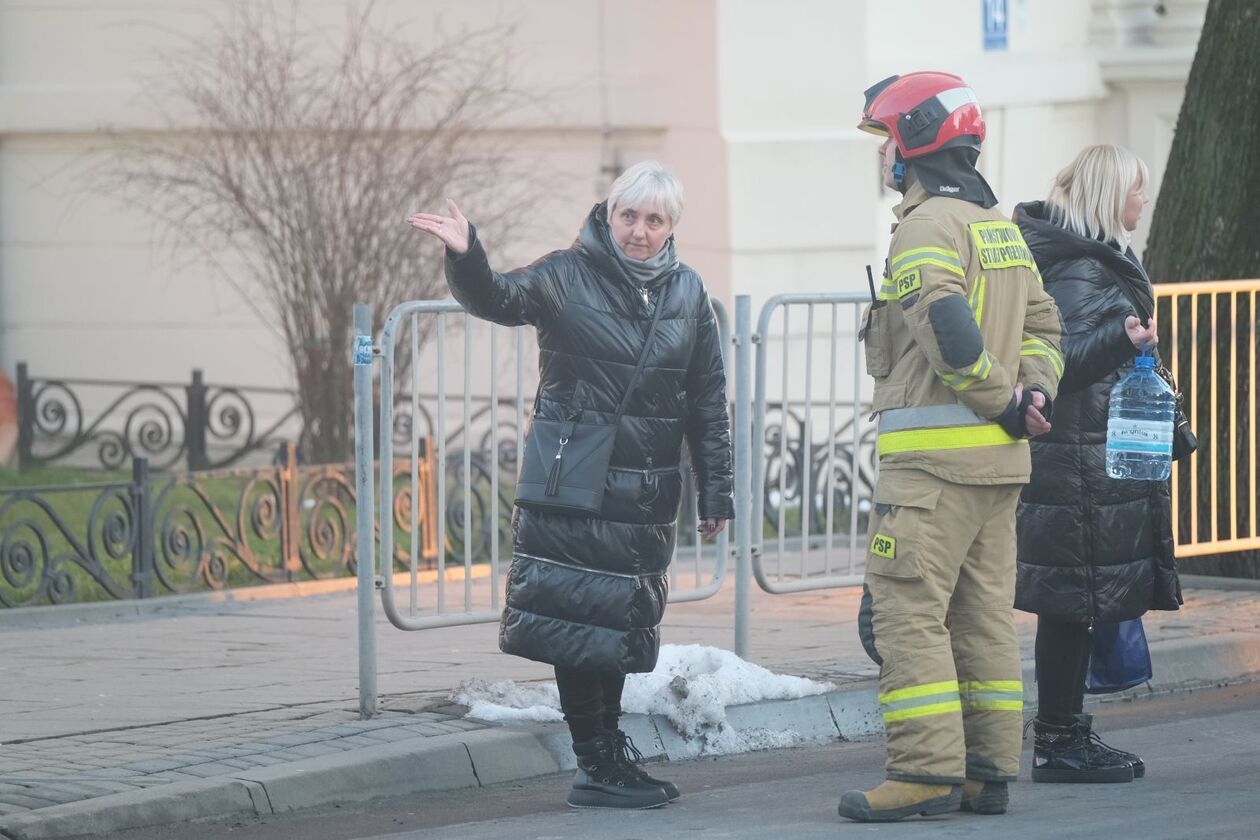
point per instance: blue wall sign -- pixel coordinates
(995, 24)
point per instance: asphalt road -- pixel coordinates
(1202, 752)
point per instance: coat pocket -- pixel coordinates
(898, 538)
(584, 595)
(875, 336)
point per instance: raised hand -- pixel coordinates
(452, 230)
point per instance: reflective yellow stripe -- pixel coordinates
(918, 261)
(945, 708)
(991, 685)
(918, 691)
(958, 383)
(994, 705)
(918, 701)
(978, 373)
(957, 437)
(916, 256)
(977, 299)
(992, 695)
(1037, 347)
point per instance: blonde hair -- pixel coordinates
(1089, 194)
(647, 185)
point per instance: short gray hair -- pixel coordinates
(647, 184)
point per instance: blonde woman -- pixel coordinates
(1091, 549)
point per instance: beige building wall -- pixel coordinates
(87, 286)
(752, 102)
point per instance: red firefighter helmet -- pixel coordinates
(923, 113)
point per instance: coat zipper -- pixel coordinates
(649, 471)
(638, 578)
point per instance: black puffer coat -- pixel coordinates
(590, 592)
(1089, 547)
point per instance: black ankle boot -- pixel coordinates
(1135, 761)
(1066, 754)
(630, 757)
(602, 781)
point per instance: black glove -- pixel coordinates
(1012, 420)
(1048, 409)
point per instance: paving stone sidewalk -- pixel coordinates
(98, 707)
(53, 771)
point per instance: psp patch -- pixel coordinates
(908, 283)
(884, 546)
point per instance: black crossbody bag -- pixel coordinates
(1184, 440)
(566, 461)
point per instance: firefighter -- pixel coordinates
(963, 344)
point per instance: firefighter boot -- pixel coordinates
(629, 756)
(602, 781)
(1066, 754)
(984, 797)
(892, 800)
(1087, 721)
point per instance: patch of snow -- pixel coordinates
(691, 686)
(505, 701)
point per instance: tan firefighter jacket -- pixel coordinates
(960, 318)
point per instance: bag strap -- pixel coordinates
(1126, 288)
(647, 346)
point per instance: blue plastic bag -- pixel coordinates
(1119, 657)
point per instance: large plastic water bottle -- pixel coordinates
(1140, 425)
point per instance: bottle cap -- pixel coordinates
(1144, 362)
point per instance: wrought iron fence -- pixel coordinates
(163, 534)
(106, 423)
(201, 426)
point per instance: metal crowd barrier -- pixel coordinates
(811, 491)
(802, 499)
(1208, 338)
(475, 453)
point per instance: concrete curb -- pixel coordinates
(503, 754)
(444, 762)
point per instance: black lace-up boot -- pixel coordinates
(604, 781)
(1066, 754)
(1135, 761)
(630, 757)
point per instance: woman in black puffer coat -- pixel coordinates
(586, 594)
(1091, 549)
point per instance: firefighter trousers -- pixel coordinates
(937, 615)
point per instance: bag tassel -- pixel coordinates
(553, 477)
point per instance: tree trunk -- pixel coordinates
(326, 397)
(1207, 217)
(1206, 226)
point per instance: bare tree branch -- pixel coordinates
(302, 152)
